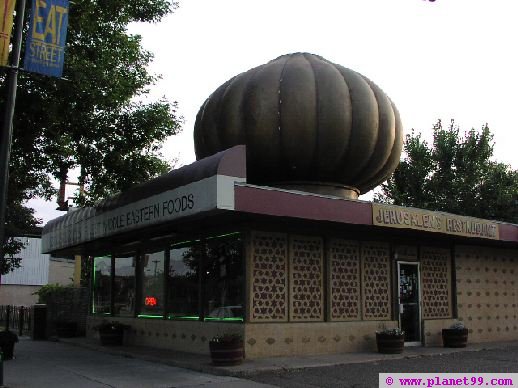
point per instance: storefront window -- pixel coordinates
(183, 283)
(224, 279)
(124, 286)
(101, 295)
(152, 297)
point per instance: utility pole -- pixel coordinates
(7, 127)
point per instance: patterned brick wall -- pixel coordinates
(436, 282)
(306, 279)
(344, 280)
(376, 277)
(269, 277)
(487, 292)
(405, 252)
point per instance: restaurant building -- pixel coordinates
(264, 234)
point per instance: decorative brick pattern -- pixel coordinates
(376, 281)
(405, 252)
(306, 279)
(269, 277)
(436, 282)
(344, 280)
(487, 292)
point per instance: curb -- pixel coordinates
(204, 365)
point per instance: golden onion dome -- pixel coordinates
(307, 123)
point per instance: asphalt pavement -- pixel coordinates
(82, 362)
(490, 359)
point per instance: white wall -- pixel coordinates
(34, 268)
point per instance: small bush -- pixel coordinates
(49, 289)
(458, 326)
(227, 338)
(395, 332)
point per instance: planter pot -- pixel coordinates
(226, 353)
(389, 343)
(455, 338)
(111, 337)
(7, 341)
(7, 349)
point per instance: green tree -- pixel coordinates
(97, 118)
(454, 174)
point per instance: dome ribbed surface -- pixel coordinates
(304, 119)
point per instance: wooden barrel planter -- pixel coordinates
(455, 338)
(390, 343)
(226, 353)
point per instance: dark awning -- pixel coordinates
(202, 186)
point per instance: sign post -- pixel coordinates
(44, 54)
(7, 127)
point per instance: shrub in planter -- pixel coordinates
(456, 336)
(390, 341)
(7, 341)
(111, 333)
(227, 349)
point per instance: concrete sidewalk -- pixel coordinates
(202, 363)
(45, 364)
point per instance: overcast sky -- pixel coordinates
(444, 59)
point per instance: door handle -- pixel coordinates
(401, 308)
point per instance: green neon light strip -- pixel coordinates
(184, 242)
(223, 235)
(93, 292)
(150, 316)
(183, 318)
(208, 238)
(223, 319)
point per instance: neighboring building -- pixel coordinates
(37, 269)
(269, 240)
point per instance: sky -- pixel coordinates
(446, 59)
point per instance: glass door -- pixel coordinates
(409, 302)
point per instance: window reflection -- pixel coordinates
(202, 279)
(224, 279)
(152, 302)
(124, 286)
(101, 294)
(183, 283)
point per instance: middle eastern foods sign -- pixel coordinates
(209, 194)
(418, 219)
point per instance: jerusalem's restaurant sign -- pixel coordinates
(418, 219)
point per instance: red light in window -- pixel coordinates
(150, 301)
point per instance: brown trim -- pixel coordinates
(233, 162)
(273, 202)
(508, 232)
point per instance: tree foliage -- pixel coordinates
(97, 118)
(454, 174)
